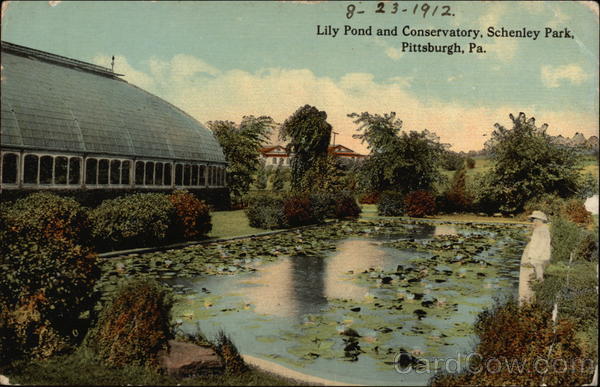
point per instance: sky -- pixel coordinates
(224, 60)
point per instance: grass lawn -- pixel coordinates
(82, 368)
(230, 224)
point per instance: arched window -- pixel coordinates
(74, 170)
(186, 175)
(194, 180)
(158, 178)
(149, 173)
(91, 171)
(103, 171)
(30, 172)
(46, 169)
(202, 172)
(139, 173)
(167, 177)
(178, 174)
(9, 168)
(125, 167)
(115, 172)
(60, 170)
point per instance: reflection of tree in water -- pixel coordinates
(308, 283)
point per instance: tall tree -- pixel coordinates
(401, 161)
(309, 134)
(527, 164)
(241, 145)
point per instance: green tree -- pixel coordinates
(241, 145)
(278, 179)
(398, 160)
(262, 177)
(527, 165)
(309, 134)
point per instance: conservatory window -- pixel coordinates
(60, 170)
(103, 171)
(167, 177)
(149, 173)
(178, 174)
(139, 173)
(91, 168)
(9, 168)
(125, 166)
(202, 180)
(46, 169)
(194, 175)
(74, 170)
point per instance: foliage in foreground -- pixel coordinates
(391, 203)
(523, 336)
(48, 278)
(135, 325)
(418, 204)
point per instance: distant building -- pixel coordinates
(276, 155)
(67, 124)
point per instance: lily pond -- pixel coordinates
(342, 300)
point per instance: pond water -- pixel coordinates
(345, 315)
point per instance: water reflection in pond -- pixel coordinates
(296, 307)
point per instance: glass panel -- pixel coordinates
(125, 166)
(139, 173)
(178, 174)
(60, 170)
(186, 175)
(103, 171)
(159, 174)
(9, 168)
(91, 166)
(46, 166)
(31, 169)
(167, 180)
(115, 171)
(149, 173)
(74, 170)
(202, 175)
(194, 175)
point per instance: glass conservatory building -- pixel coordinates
(68, 124)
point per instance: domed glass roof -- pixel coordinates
(59, 104)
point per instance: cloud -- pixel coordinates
(553, 75)
(210, 94)
(495, 10)
(389, 50)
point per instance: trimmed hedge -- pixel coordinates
(265, 210)
(418, 204)
(298, 211)
(193, 216)
(133, 221)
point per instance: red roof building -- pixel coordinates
(277, 155)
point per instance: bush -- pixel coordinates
(391, 203)
(419, 204)
(457, 197)
(193, 216)
(135, 325)
(566, 238)
(576, 212)
(298, 211)
(470, 163)
(346, 206)
(369, 198)
(134, 221)
(323, 204)
(45, 288)
(452, 161)
(265, 210)
(43, 215)
(550, 205)
(234, 363)
(510, 334)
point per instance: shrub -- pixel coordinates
(193, 216)
(549, 204)
(234, 363)
(510, 334)
(575, 211)
(45, 288)
(265, 210)
(369, 198)
(566, 237)
(298, 211)
(346, 206)
(419, 204)
(134, 220)
(457, 197)
(391, 203)
(42, 215)
(470, 163)
(135, 325)
(452, 161)
(323, 204)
